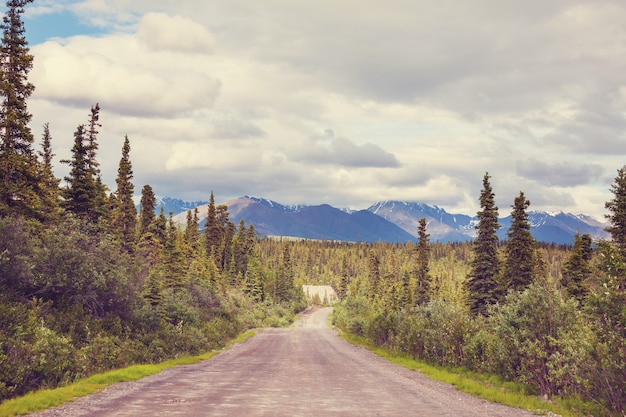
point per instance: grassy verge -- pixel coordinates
(44, 399)
(489, 387)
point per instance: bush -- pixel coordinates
(101, 354)
(436, 333)
(544, 341)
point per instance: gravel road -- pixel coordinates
(302, 371)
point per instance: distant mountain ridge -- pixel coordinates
(386, 221)
(309, 222)
(545, 227)
(174, 205)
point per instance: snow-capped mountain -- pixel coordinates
(441, 225)
(175, 205)
(389, 221)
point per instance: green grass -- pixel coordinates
(489, 387)
(46, 398)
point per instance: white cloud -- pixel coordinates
(424, 96)
(118, 71)
(174, 33)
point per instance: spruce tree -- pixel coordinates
(577, 269)
(158, 228)
(284, 278)
(345, 279)
(617, 212)
(172, 259)
(519, 267)
(125, 213)
(19, 176)
(191, 228)
(80, 193)
(92, 141)
(49, 184)
(147, 206)
(374, 273)
(212, 230)
(239, 251)
(482, 283)
(422, 291)
(253, 279)
(86, 194)
(101, 204)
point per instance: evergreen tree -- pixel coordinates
(191, 228)
(173, 258)
(125, 213)
(147, 206)
(19, 176)
(212, 229)
(226, 248)
(482, 283)
(407, 296)
(422, 292)
(284, 278)
(92, 141)
(85, 193)
(101, 204)
(374, 273)
(617, 212)
(519, 267)
(50, 192)
(239, 250)
(577, 269)
(345, 279)
(158, 228)
(253, 280)
(80, 194)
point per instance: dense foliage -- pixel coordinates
(88, 284)
(558, 325)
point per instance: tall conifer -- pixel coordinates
(577, 269)
(212, 229)
(125, 213)
(19, 176)
(147, 205)
(482, 283)
(49, 184)
(80, 193)
(617, 211)
(521, 248)
(422, 291)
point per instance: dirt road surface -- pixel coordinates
(302, 371)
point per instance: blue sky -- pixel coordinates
(62, 24)
(345, 103)
(55, 20)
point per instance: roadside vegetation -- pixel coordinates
(551, 318)
(88, 284)
(46, 398)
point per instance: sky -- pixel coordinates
(342, 102)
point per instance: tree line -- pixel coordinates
(551, 317)
(87, 282)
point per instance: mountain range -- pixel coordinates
(386, 221)
(175, 205)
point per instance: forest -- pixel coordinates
(88, 283)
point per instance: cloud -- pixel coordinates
(119, 72)
(559, 173)
(427, 96)
(340, 151)
(174, 33)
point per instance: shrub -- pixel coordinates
(544, 340)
